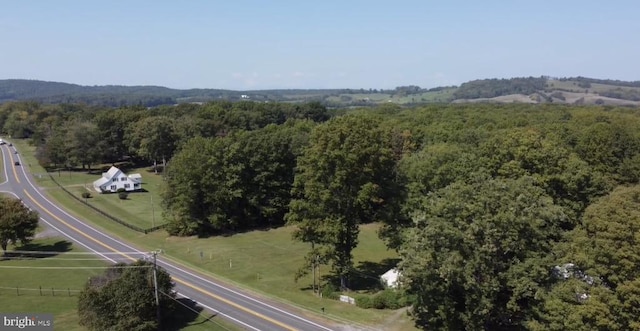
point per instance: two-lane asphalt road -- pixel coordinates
(236, 305)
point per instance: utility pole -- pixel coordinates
(153, 214)
(155, 286)
(313, 269)
(318, 273)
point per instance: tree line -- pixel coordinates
(74, 135)
(507, 217)
(484, 203)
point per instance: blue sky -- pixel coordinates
(242, 44)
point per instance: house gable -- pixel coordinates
(114, 180)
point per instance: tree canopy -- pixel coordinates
(122, 298)
(345, 177)
(477, 254)
(17, 222)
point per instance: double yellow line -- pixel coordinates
(176, 279)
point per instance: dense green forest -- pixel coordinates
(506, 216)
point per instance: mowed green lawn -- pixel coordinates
(264, 262)
(51, 284)
(21, 282)
(141, 209)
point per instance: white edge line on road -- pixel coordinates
(114, 261)
(166, 263)
(65, 234)
(218, 312)
(6, 175)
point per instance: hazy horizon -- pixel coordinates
(246, 45)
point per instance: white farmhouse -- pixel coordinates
(115, 179)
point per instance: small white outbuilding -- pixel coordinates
(390, 278)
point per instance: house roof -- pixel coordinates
(135, 178)
(100, 182)
(113, 171)
(390, 277)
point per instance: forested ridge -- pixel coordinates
(581, 90)
(506, 217)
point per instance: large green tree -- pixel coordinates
(17, 222)
(570, 181)
(82, 143)
(112, 126)
(123, 298)
(603, 290)
(479, 254)
(347, 176)
(154, 138)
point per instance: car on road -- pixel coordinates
(16, 163)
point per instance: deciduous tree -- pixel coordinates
(17, 222)
(347, 176)
(154, 138)
(122, 298)
(478, 254)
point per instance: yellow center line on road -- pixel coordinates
(176, 279)
(15, 173)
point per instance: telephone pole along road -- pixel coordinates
(236, 305)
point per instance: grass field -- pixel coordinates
(42, 285)
(141, 209)
(261, 261)
(445, 95)
(595, 87)
(20, 288)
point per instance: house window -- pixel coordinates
(123, 179)
(127, 185)
(115, 179)
(113, 187)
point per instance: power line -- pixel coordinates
(77, 253)
(62, 268)
(31, 258)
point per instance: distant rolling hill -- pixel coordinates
(576, 90)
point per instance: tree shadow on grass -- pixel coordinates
(366, 275)
(363, 278)
(186, 314)
(31, 250)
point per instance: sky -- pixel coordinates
(250, 45)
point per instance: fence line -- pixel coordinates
(113, 218)
(43, 291)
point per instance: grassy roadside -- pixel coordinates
(261, 261)
(26, 287)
